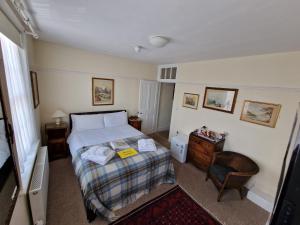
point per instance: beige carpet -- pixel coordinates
(162, 137)
(65, 206)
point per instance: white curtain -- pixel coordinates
(20, 98)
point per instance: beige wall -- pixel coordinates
(29, 46)
(165, 106)
(8, 29)
(64, 76)
(268, 78)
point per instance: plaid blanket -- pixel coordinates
(121, 181)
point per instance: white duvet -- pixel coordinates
(79, 139)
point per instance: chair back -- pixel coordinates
(239, 162)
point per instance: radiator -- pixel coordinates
(38, 190)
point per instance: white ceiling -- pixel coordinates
(199, 29)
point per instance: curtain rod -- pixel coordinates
(18, 9)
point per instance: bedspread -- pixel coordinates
(121, 181)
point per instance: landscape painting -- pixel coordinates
(221, 99)
(34, 88)
(261, 113)
(103, 91)
(190, 100)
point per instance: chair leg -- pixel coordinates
(207, 176)
(241, 192)
(220, 194)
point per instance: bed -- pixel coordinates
(121, 181)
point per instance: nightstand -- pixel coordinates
(56, 136)
(136, 122)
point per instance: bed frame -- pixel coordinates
(90, 214)
(90, 113)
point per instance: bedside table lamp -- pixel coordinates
(58, 115)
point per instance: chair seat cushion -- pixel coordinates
(220, 172)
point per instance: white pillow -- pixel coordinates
(87, 122)
(115, 119)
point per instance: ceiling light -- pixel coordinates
(158, 41)
(138, 48)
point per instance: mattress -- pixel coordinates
(80, 139)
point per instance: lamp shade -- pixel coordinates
(59, 114)
(158, 41)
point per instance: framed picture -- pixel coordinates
(261, 113)
(221, 99)
(190, 100)
(103, 91)
(35, 88)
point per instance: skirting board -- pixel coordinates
(163, 128)
(260, 201)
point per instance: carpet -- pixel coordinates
(173, 207)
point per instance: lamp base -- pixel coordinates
(57, 121)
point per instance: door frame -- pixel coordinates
(156, 102)
(160, 83)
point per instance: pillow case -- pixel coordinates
(87, 122)
(115, 119)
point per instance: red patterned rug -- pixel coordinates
(175, 207)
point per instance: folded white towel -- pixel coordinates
(98, 154)
(146, 145)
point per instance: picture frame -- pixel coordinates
(261, 113)
(35, 89)
(190, 100)
(220, 99)
(102, 91)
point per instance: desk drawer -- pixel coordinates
(204, 144)
(201, 149)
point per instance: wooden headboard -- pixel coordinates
(94, 112)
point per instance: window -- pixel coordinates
(21, 105)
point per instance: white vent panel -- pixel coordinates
(167, 73)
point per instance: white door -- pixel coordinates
(148, 105)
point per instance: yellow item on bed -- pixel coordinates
(127, 152)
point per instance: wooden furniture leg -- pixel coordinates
(241, 192)
(221, 193)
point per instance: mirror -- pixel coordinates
(8, 181)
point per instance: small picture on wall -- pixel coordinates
(35, 89)
(103, 91)
(221, 99)
(261, 113)
(190, 100)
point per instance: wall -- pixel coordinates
(8, 29)
(165, 106)
(64, 76)
(269, 78)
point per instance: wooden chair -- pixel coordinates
(231, 170)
